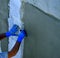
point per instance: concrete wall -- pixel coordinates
(49, 6)
(3, 22)
(43, 31)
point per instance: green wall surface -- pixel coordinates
(43, 31)
(4, 22)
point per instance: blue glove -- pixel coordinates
(21, 36)
(13, 30)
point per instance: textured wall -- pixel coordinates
(43, 31)
(15, 18)
(3, 22)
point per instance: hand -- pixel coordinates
(22, 34)
(13, 30)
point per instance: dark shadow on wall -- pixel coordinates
(43, 31)
(4, 23)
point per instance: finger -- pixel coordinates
(14, 34)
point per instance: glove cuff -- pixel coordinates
(19, 39)
(7, 34)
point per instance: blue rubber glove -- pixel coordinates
(21, 36)
(12, 32)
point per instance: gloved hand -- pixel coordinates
(12, 32)
(22, 34)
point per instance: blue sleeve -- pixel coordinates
(4, 55)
